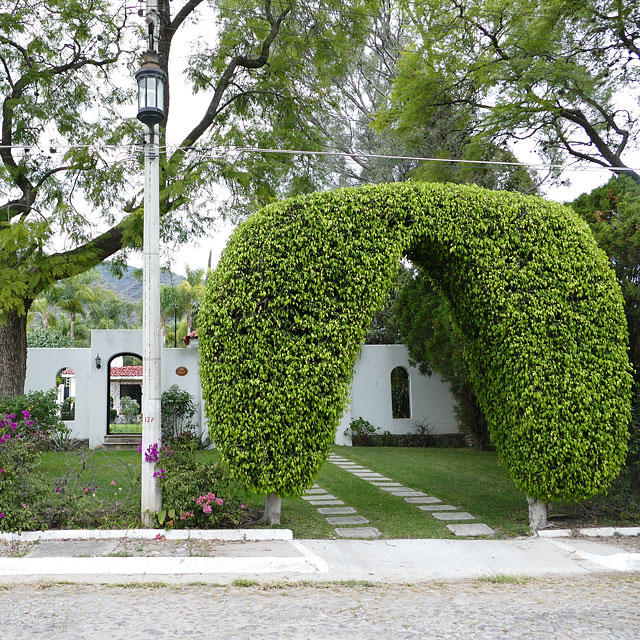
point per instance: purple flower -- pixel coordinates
(26, 415)
(159, 474)
(1, 515)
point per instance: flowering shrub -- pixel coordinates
(20, 486)
(197, 495)
(43, 423)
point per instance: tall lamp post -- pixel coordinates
(151, 84)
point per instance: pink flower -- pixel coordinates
(113, 482)
(243, 506)
(219, 501)
(207, 508)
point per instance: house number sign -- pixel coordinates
(182, 371)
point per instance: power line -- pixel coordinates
(219, 152)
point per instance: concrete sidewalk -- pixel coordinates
(269, 555)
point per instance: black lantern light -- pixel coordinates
(98, 361)
(151, 83)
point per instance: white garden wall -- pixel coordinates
(370, 396)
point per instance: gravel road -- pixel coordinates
(594, 607)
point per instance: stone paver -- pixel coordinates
(336, 511)
(358, 532)
(471, 529)
(327, 496)
(318, 491)
(450, 515)
(326, 503)
(437, 507)
(347, 520)
(412, 496)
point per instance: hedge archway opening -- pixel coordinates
(291, 300)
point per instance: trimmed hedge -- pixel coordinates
(289, 305)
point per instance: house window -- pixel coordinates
(66, 388)
(400, 400)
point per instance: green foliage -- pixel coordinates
(551, 71)
(47, 338)
(129, 408)
(364, 434)
(177, 408)
(534, 299)
(613, 213)
(197, 494)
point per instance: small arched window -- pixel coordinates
(400, 397)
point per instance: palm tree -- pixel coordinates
(41, 309)
(72, 295)
(188, 291)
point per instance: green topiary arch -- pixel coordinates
(289, 305)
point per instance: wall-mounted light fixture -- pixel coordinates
(98, 362)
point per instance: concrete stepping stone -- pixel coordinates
(312, 492)
(384, 483)
(361, 470)
(437, 507)
(347, 520)
(471, 529)
(422, 500)
(326, 503)
(357, 532)
(409, 494)
(459, 515)
(367, 474)
(326, 496)
(394, 488)
(336, 511)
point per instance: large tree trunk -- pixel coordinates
(13, 354)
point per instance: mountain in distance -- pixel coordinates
(129, 287)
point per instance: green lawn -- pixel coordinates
(471, 480)
(125, 428)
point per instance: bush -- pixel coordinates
(537, 305)
(177, 408)
(42, 406)
(195, 494)
(130, 409)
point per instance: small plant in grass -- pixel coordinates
(81, 499)
(196, 494)
(364, 434)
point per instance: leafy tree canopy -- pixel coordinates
(66, 156)
(553, 71)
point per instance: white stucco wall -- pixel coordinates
(370, 394)
(92, 399)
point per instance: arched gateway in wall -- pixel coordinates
(541, 314)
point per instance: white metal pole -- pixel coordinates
(151, 495)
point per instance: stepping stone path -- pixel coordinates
(428, 504)
(328, 505)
